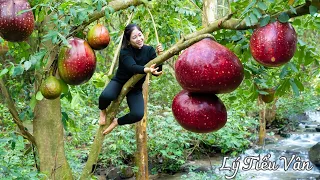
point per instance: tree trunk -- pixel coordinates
(262, 122)
(48, 132)
(271, 111)
(210, 12)
(141, 157)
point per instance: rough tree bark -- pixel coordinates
(141, 156)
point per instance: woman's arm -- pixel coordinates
(152, 55)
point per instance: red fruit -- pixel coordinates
(14, 27)
(201, 113)
(208, 67)
(98, 37)
(77, 64)
(274, 44)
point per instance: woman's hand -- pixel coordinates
(159, 49)
(153, 70)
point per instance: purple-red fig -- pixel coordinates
(15, 27)
(208, 67)
(98, 37)
(77, 64)
(200, 113)
(274, 44)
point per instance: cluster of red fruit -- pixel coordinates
(76, 64)
(204, 69)
(207, 68)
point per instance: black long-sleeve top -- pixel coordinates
(132, 61)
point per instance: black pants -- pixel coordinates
(134, 99)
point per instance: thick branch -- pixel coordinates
(116, 5)
(14, 112)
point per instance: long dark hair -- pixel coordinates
(127, 33)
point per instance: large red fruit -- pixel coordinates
(208, 67)
(201, 113)
(14, 27)
(77, 64)
(274, 44)
(98, 37)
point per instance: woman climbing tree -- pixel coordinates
(133, 56)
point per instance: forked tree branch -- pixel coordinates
(13, 111)
(116, 5)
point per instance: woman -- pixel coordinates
(134, 55)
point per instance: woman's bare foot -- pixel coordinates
(102, 119)
(111, 126)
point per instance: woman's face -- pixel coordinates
(136, 39)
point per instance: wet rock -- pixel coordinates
(310, 130)
(114, 174)
(318, 129)
(314, 154)
(311, 126)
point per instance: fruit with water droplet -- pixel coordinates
(98, 37)
(50, 88)
(14, 25)
(274, 44)
(201, 113)
(208, 67)
(77, 64)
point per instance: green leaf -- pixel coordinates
(299, 84)
(294, 88)
(65, 118)
(247, 20)
(313, 10)
(39, 96)
(292, 9)
(283, 88)
(253, 19)
(284, 71)
(27, 65)
(3, 72)
(308, 59)
(293, 67)
(262, 6)
(265, 20)
(283, 17)
(33, 102)
(257, 12)
(18, 70)
(248, 7)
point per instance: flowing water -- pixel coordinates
(286, 159)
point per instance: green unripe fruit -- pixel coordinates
(267, 98)
(51, 88)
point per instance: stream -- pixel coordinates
(285, 159)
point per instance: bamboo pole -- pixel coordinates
(116, 55)
(262, 122)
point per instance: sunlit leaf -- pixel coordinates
(39, 96)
